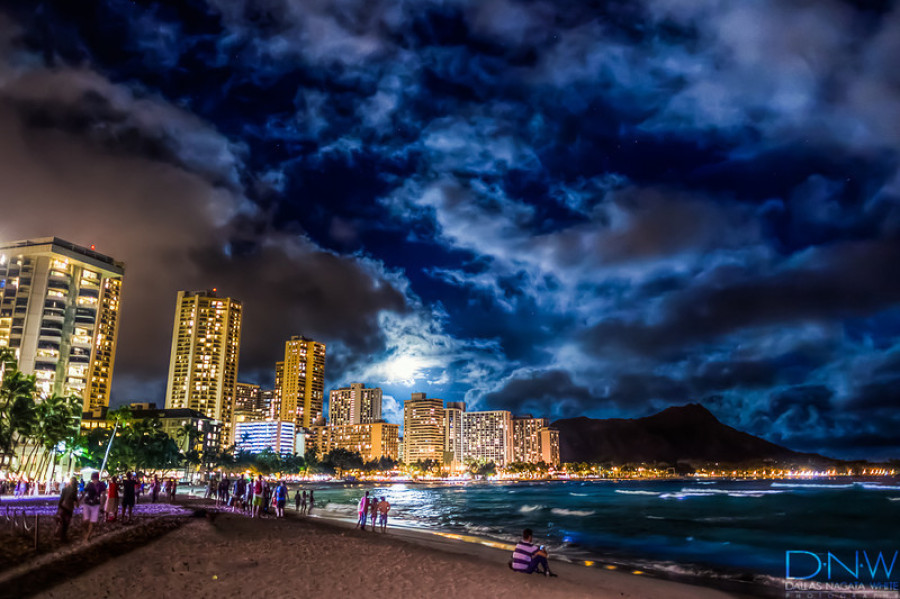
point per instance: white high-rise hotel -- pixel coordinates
(59, 313)
(452, 436)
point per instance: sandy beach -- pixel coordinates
(234, 556)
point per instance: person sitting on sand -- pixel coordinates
(528, 557)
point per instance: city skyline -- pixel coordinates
(556, 209)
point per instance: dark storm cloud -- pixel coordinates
(549, 393)
(548, 207)
(820, 285)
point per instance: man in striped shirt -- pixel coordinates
(528, 557)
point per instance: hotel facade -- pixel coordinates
(59, 313)
(423, 429)
(303, 382)
(371, 441)
(355, 404)
(203, 365)
(488, 437)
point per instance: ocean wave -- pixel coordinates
(564, 512)
(655, 518)
(811, 486)
(893, 498)
(636, 492)
(340, 508)
(578, 494)
(880, 487)
(688, 492)
(531, 508)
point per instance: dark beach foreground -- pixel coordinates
(234, 556)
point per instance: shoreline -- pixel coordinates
(231, 555)
(500, 552)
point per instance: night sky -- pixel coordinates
(562, 208)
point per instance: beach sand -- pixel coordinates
(234, 556)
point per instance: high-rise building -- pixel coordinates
(550, 446)
(423, 429)
(255, 437)
(371, 441)
(275, 402)
(59, 312)
(488, 436)
(303, 386)
(355, 404)
(248, 403)
(453, 434)
(527, 438)
(203, 366)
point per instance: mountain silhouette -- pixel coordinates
(690, 434)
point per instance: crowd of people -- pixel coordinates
(101, 501)
(258, 497)
(374, 510)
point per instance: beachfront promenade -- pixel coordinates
(235, 556)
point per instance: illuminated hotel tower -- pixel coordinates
(488, 436)
(303, 381)
(355, 404)
(423, 429)
(203, 366)
(59, 312)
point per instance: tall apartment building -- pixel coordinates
(59, 312)
(453, 434)
(275, 401)
(550, 446)
(249, 405)
(303, 386)
(256, 437)
(371, 441)
(423, 429)
(527, 438)
(203, 366)
(488, 436)
(355, 404)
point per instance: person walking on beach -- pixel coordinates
(383, 508)
(363, 510)
(112, 499)
(129, 488)
(90, 504)
(528, 557)
(281, 493)
(312, 503)
(373, 511)
(297, 499)
(154, 488)
(68, 499)
(257, 496)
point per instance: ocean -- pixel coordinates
(716, 530)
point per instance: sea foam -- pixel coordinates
(564, 512)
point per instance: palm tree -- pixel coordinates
(17, 411)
